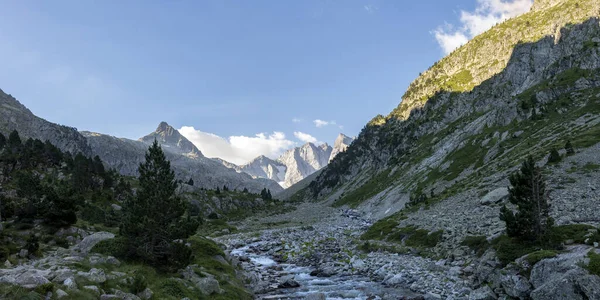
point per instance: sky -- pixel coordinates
(238, 78)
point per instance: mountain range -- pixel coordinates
(125, 155)
(293, 165)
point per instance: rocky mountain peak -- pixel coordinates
(168, 136)
(340, 145)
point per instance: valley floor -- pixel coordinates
(312, 253)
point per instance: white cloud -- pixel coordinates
(321, 123)
(305, 137)
(370, 8)
(296, 120)
(486, 14)
(238, 149)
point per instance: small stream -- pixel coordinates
(334, 287)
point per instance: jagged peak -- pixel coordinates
(165, 134)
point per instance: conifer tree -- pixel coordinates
(153, 218)
(245, 190)
(2, 141)
(554, 156)
(14, 141)
(191, 182)
(528, 192)
(569, 148)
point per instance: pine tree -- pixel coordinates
(190, 182)
(153, 218)
(569, 148)
(263, 194)
(14, 141)
(554, 156)
(269, 196)
(528, 192)
(225, 188)
(2, 141)
(218, 191)
(245, 190)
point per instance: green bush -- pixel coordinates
(594, 266)
(476, 243)
(380, 229)
(423, 238)
(45, 288)
(139, 283)
(204, 247)
(4, 253)
(575, 232)
(535, 257)
(508, 249)
(114, 247)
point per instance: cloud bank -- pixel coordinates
(486, 14)
(305, 137)
(238, 149)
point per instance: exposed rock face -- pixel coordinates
(261, 167)
(342, 142)
(15, 116)
(293, 165)
(168, 136)
(188, 162)
(303, 161)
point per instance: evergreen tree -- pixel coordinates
(269, 196)
(263, 193)
(569, 148)
(191, 182)
(153, 218)
(554, 156)
(225, 188)
(2, 141)
(218, 191)
(528, 192)
(14, 141)
(245, 190)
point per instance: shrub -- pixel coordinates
(114, 247)
(423, 238)
(594, 266)
(535, 257)
(139, 284)
(476, 243)
(380, 229)
(508, 249)
(554, 156)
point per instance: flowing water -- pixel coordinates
(334, 287)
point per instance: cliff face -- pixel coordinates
(533, 85)
(15, 116)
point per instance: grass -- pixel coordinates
(367, 190)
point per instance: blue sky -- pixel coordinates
(229, 69)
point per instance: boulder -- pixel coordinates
(290, 283)
(31, 279)
(90, 241)
(516, 286)
(61, 294)
(483, 293)
(575, 284)
(70, 283)
(554, 269)
(146, 294)
(495, 196)
(207, 284)
(94, 275)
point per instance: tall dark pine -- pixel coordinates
(2, 141)
(528, 192)
(153, 218)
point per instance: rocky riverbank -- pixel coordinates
(324, 257)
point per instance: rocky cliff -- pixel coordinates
(15, 116)
(293, 165)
